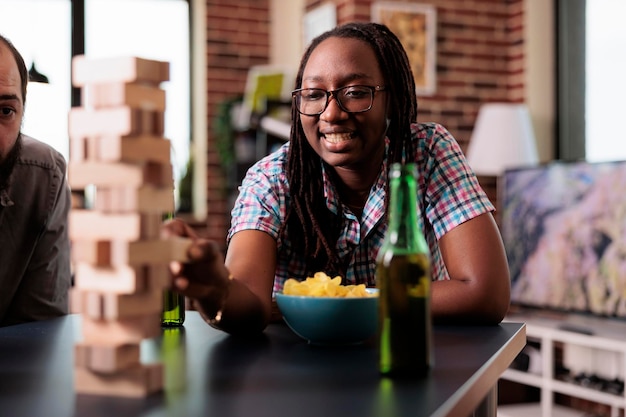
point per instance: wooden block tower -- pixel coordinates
(118, 152)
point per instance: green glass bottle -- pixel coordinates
(404, 279)
(173, 314)
(174, 359)
(173, 309)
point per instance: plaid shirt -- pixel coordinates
(449, 195)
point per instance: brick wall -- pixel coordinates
(480, 58)
(237, 38)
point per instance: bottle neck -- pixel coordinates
(404, 231)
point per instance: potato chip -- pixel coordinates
(321, 285)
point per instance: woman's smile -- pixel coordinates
(336, 138)
(339, 137)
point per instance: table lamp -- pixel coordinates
(502, 138)
(35, 76)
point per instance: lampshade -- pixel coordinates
(502, 138)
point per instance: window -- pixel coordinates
(41, 31)
(605, 64)
(591, 61)
(151, 29)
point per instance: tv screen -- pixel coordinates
(564, 230)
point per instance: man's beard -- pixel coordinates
(8, 163)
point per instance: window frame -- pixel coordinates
(198, 100)
(571, 82)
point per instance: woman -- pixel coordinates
(318, 203)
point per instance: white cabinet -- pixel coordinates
(589, 344)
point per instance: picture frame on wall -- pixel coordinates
(415, 25)
(318, 21)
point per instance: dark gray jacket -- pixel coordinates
(35, 273)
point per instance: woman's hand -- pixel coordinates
(204, 276)
(236, 298)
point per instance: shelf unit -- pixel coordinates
(245, 137)
(548, 329)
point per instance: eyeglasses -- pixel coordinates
(351, 99)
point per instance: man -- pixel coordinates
(35, 271)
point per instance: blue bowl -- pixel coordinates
(330, 320)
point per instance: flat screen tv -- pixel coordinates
(564, 230)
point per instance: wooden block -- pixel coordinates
(78, 199)
(111, 306)
(127, 330)
(79, 149)
(132, 149)
(94, 225)
(75, 301)
(153, 252)
(83, 174)
(107, 358)
(145, 199)
(135, 382)
(94, 252)
(137, 96)
(120, 306)
(151, 224)
(114, 121)
(119, 252)
(118, 69)
(153, 122)
(83, 123)
(122, 279)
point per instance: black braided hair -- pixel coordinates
(313, 230)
